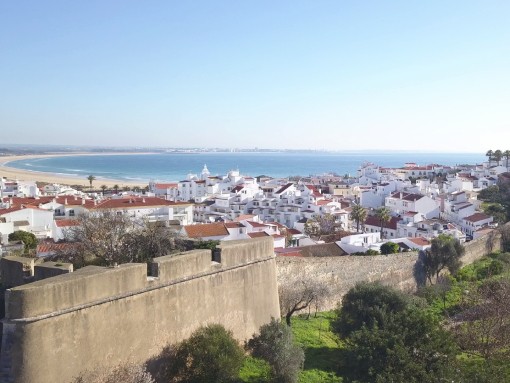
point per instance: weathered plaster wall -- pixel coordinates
(60, 326)
(342, 273)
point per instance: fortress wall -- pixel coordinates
(63, 292)
(136, 324)
(342, 273)
(172, 267)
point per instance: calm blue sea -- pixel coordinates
(175, 167)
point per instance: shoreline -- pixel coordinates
(12, 173)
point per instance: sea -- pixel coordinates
(176, 166)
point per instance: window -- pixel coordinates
(71, 213)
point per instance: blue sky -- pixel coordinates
(339, 75)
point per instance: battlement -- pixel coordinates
(102, 316)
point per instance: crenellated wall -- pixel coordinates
(58, 327)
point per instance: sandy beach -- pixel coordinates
(27, 175)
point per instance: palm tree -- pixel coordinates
(126, 188)
(103, 188)
(506, 154)
(498, 155)
(116, 188)
(359, 214)
(384, 216)
(91, 178)
(489, 154)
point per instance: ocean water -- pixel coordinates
(176, 166)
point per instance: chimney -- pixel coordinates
(83, 201)
(65, 201)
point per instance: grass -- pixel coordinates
(323, 352)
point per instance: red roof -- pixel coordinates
(66, 222)
(258, 234)
(49, 247)
(136, 202)
(233, 225)
(477, 217)
(166, 186)
(255, 224)
(420, 241)
(206, 230)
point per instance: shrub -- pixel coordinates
(275, 344)
(210, 355)
(389, 248)
(129, 373)
(28, 239)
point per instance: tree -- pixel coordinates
(91, 178)
(210, 355)
(126, 188)
(498, 155)
(410, 347)
(103, 188)
(116, 188)
(358, 214)
(275, 344)
(28, 239)
(497, 211)
(389, 248)
(506, 154)
(367, 304)
(107, 238)
(300, 294)
(384, 216)
(483, 328)
(490, 155)
(445, 253)
(390, 339)
(321, 225)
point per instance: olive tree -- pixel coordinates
(275, 344)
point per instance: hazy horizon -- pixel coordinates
(297, 75)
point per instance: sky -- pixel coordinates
(333, 75)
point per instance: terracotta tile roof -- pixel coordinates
(323, 202)
(137, 202)
(50, 247)
(74, 201)
(277, 236)
(258, 234)
(17, 208)
(206, 230)
(244, 217)
(288, 252)
(30, 201)
(293, 231)
(255, 224)
(233, 225)
(420, 241)
(477, 217)
(166, 186)
(66, 222)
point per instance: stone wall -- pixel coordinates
(58, 327)
(342, 273)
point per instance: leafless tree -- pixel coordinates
(300, 294)
(483, 329)
(110, 237)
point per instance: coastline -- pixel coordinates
(30, 175)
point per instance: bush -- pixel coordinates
(389, 248)
(368, 252)
(129, 373)
(367, 304)
(28, 239)
(495, 267)
(275, 344)
(210, 355)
